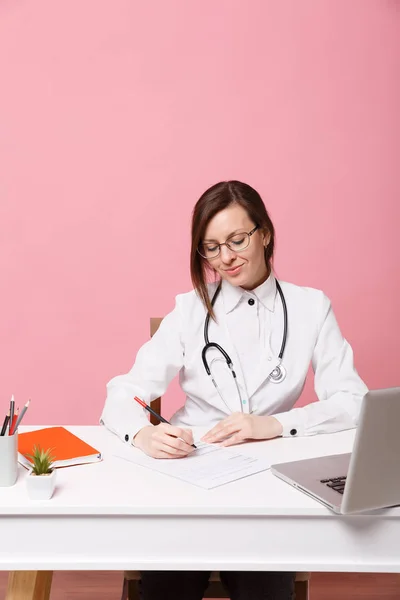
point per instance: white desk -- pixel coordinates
(107, 516)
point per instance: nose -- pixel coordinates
(227, 255)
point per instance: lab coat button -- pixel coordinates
(251, 301)
(127, 438)
(293, 432)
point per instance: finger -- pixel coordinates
(234, 439)
(179, 443)
(215, 430)
(228, 430)
(162, 454)
(176, 444)
(168, 450)
(233, 418)
(179, 432)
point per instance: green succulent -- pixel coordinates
(42, 461)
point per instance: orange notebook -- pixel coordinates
(67, 448)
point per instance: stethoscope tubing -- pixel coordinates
(208, 345)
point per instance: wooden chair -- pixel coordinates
(130, 590)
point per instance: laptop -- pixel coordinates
(368, 478)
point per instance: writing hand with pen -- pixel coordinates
(163, 440)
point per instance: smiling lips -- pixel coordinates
(234, 270)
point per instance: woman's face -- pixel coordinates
(246, 268)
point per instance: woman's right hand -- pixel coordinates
(164, 441)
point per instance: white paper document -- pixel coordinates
(208, 467)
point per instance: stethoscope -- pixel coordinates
(276, 376)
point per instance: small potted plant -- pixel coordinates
(41, 479)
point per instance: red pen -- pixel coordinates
(13, 422)
(154, 413)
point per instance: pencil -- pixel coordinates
(153, 412)
(6, 419)
(23, 411)
(11, 413)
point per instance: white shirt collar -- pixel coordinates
(265, 293)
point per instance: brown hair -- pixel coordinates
(216, 198)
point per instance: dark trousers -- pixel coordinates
(240, 585)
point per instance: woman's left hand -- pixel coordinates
(239, 427)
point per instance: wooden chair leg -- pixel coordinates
(130, 590)
(124, 595)
(29, 585)
(301, 590)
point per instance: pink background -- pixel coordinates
(116, 116)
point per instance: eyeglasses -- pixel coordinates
(236, 243)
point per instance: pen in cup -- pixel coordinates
(154, 413)
(23, 411)
(4, 427)
(11, 413)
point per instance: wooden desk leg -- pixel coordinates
(29, 585)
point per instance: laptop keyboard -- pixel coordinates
(335, 483)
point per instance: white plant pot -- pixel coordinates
(41, 487)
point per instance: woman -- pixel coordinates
(233, 241)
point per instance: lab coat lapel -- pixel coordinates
(267, 361)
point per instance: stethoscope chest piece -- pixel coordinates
(278, 374)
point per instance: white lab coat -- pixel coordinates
(251, 333)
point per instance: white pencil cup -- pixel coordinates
(8, 459)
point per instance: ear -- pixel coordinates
(266, 238)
